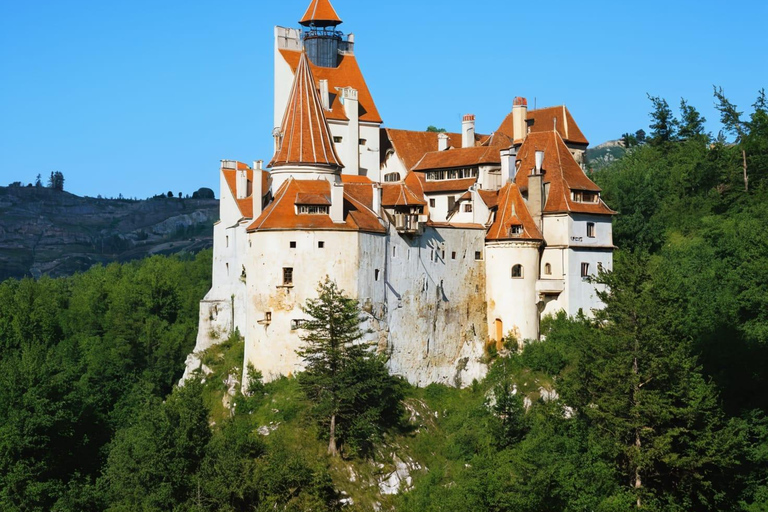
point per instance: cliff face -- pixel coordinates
(43, 231)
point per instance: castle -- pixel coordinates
(448, 240)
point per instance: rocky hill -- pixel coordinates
(45, 231)
(602, 155)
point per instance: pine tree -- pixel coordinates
(691, 122)
(353, 395)
(664, 125)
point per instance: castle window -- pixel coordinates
(309, 209)
(591, 229)
(287, 276)
(292, 244)
(268, 316)
(362, 142)
(320, 244)
(392, 176)
(227, 265)
(516, 230)
(432, 202)
(227, 241)
(453, 255)
(376, 274)
(584, 196)
(451, 202)
(585, 270)
(548, 269)
(468, 208)
(517, 271)
(478, 255)
(394, 251)
(337, 140)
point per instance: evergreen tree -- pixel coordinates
(351, 391)
(663, 125)
(691, 122)
(731, 119)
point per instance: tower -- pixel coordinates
(322, 41)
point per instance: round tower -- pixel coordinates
(322, 41)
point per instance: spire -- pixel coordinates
(320, 13)
(305, 136)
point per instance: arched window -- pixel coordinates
(548, 269)
(517, 271)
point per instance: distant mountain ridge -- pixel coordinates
(49, 232)
(604, 154)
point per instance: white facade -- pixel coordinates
(434, 291)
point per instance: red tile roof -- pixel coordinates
(489, 197)
(511, 210)
(347, 74)
(561, 172)
(306, 138)
(281, 213)
(400, 194)
(461, 157)
(245, 205)
(446, 185)
(411, 146)
(498, 139)
(543, 120)
(320, 13)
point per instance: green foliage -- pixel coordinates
(663, 123)
(353, 394)
(435, 129)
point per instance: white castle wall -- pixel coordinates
(436, 306)
(512, 301)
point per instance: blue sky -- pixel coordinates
(143, 97)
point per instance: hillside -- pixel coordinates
(603, 155)
(44, 231)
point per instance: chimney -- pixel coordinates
(506, 171)
(376, 199)
(535, 190)
(442, 142)
(468, 131)
(352, 109)
(257, 188)
(325, 99)
(519, 117)
(337, 202)
(258, 165)
(242, 184)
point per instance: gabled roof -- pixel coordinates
(306, 138)
(245, 205)
(498, 139)
(461, 157)
(281, 214)
(411, 146)
(321, 14)
(548, 119)
(347, 74)
(400, 194)
(511, 210)
(561, 172)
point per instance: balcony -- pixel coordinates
(408, 223)
(550, 286)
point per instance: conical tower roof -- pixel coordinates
(306, 138)
(320, 13)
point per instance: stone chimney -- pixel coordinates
(442, 142)
(376, 199)
(351, 156)
(519, 117)
(257, 188)
(535, 190)
(506, 167)
(325, 98)
(337, 202)
(468, 131)
(241, 184)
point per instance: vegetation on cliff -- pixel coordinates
(658, 401)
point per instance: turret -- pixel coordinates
(322, 41)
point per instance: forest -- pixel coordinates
(656, 402)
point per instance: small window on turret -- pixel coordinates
(362, 142)
(548, 269)
(337, 140)
(517, 271)
(591, 229)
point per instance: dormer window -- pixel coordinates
(392, 176)
(584, 196)
(516, 230)
(309, 209)
(337, 140)
(452, 174)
